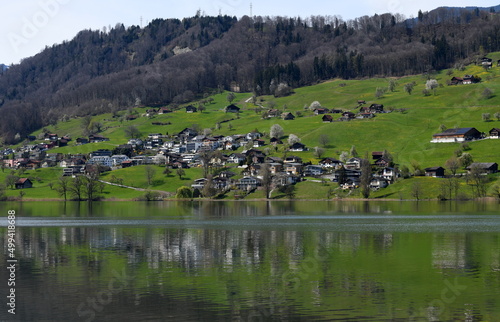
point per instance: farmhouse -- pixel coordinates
(327, 118)
(457, 135)
(378, 183)
(190, 109)
(347, 116)
(232, 109)
(330, 163)
(24, 183)
(484, 167)
(287, 116)
(437, 172)
(297, 147)
(495, 133)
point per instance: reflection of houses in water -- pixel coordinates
(348, 243)
(449, 251)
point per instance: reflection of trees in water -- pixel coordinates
(192, 249)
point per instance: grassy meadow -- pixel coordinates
(405, 134)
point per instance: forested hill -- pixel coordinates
(174, 61)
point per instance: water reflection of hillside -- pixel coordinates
(202, 248)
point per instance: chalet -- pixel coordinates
(320, 111)
(297, 147)
(232, 109)
(456, 81)
(486, 62)
(292, 159)
(495, 133)
(457, 135)
(327, 119)
(377, 108)
(383, 162)
(221, 183)
(282, 179)
(236, 158)
(258, 157)
(231, 145)
(347, 116)
(164, 110)
(253, 135)
(187, 134)
(485, 167)
(48, 164)
(127, 164)
(94, 138)
(353, 163)
(470, 79)
(74, 162)
(389, 174)
(151, 111)
(378, 183)
(313, 170)
(218, 160)
(293, 168)
(258, 143)
(367, 115)
(199, 183)
(50, 137)
(275, 167)
(330, 163)
(101, 152)
(248, 183)
(191, 109)
(274, 160)
(82, 141)
(437, 172)
(23, 183)
(253, 169)
(287, 116)
(467, 80)
(377, 155)
(275, 141)
(134, 143)
(336, 111)
(226, 174)
(360, 102)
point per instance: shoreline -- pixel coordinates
(488, 199)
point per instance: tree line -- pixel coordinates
(175, 61)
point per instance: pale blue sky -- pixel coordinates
(27, 26)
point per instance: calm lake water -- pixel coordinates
(254, 261)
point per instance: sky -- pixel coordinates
(28, 26)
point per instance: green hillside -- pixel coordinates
(405, 133)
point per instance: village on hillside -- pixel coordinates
(227, 169)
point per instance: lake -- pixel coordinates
(253, 261)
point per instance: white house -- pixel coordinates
(118, 159)
(101, 160)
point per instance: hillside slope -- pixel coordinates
(176, 61)
(405, 132)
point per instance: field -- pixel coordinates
(405, 133)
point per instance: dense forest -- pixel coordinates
(174, 61)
